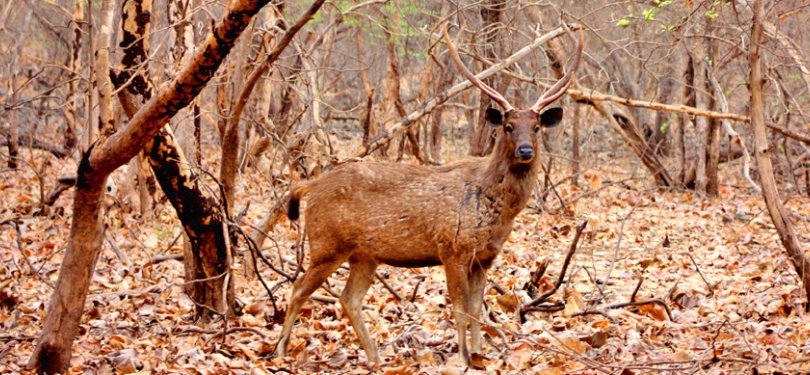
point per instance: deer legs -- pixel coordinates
(458, 286)
(465, 285)
(302, 289)
(478, 279)
(361, 275)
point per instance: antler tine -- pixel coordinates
(556, 91)
(486, 89)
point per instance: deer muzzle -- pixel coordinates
(525, 153)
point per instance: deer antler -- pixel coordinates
(559, 88)
(486, 89)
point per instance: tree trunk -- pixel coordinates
(232, 136)
(106, 118)
(368, 121)
(74, 63)
(575, 158)
(446, 77)
(769, 190)
(702, 101)
(409, 140)
(689, 100)
(659, 141)
(713, 131)
(481, 132)
(90, 131)
(54, 346)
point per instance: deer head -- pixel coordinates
(521, 126)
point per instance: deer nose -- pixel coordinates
(525, 152)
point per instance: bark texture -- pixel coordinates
(54, 346)
(761, 151)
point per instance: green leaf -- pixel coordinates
(624, 22)
(649, 14)
(663, 128)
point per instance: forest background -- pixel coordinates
(145, 162)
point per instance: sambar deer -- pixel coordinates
(458, 215)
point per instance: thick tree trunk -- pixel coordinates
(54, 346)
(769, 190)
(208, 263)
(208, 257)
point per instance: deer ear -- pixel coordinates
(494, 116)
(551, 117)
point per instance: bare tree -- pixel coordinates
(54, 346)
(762, 153)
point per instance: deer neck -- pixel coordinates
(508, 186)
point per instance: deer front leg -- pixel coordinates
(361, 275)
(478, 280)
(459, 290)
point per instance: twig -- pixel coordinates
(559, 281)
(627, 304)
(254, 249)
(389, 287)
(161, 258)
(62, 184)
(121, 256)
(412, 118)
(416, 288)
(635, 291)
(711, 290)
(619, 242)
(13, 222)
(218, 332)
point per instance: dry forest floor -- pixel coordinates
(735, 300)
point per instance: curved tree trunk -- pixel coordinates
(54, 346)
(208, 258)
(769, 190)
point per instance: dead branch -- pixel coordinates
(62, 184)
(14, 224)
(593, 96)
(708, 285)
(432, 104)
(543, 297)
(619, 305)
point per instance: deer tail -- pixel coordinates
(293, 209)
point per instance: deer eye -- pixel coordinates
(508, 128)
(536, 128)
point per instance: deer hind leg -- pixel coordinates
(361, 275)
(478, 279)
(458, 279)
(313, 278)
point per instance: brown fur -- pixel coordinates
(458, 215)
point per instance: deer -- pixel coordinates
(458, 215)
